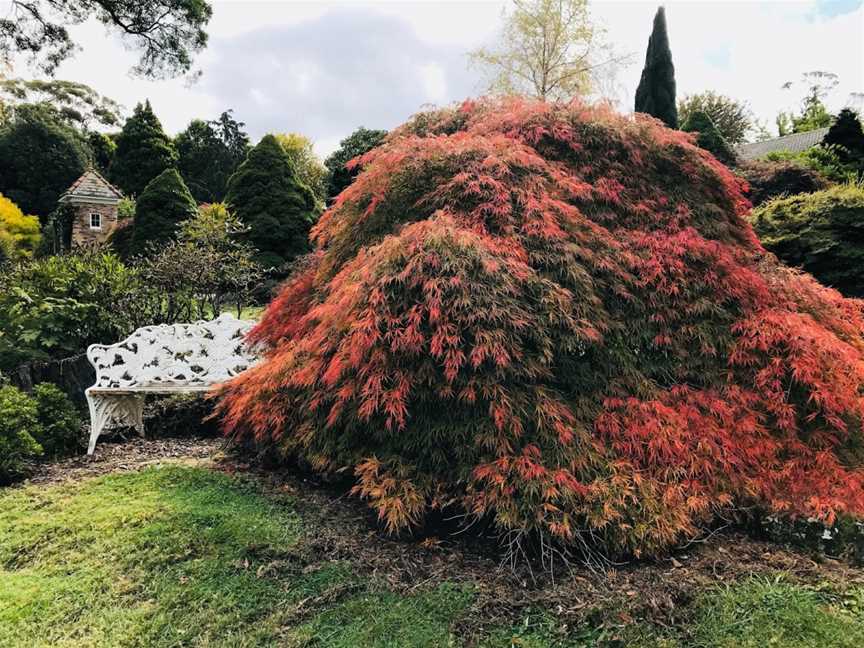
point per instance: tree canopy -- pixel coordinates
(548, 49)
(655, 94)
(356, 144)
(733, 119)
(558, 320)
(40, 157)
(77, 103)
(267, 196)
(143, 151)
(166, 33)
(209, 152)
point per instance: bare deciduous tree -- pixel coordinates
(548, 49)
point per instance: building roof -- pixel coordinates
(91, 188)
(793, 143)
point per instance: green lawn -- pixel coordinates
(179, 555)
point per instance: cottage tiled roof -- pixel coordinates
(91, 187)
(793, 143)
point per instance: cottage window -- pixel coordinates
(96, 221)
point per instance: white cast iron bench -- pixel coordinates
(163, 359)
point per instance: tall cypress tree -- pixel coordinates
(161, 207)
(656, 92)
(267, 196)
(143, 151)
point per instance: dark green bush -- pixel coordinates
(19, 425)
(708, 137)
(773, 179)
(59, 431)
(822, 232)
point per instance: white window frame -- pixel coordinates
(99, 220)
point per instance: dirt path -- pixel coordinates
(129, 455)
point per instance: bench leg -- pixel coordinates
(108, 409)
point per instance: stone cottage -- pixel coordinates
(92, 202)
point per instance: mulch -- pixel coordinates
(341, 528)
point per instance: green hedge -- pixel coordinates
(821, 232)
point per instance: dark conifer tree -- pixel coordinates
(267, 196)
(656, 92)
(161, 207)
(143, 151)
(846, 132)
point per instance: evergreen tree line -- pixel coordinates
(277, 188)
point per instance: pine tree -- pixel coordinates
(709, 137)
(161, 207)
(143, 151)
(267, 196)
(846, 132)
(656, 92)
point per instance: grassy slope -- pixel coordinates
(185, 556)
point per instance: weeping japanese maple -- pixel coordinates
(557, 318)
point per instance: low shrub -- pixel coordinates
(821, 232)
(59, 431)
(773, 179)
(19, 427)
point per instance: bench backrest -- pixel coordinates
(175, 356)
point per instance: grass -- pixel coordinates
(185, 556)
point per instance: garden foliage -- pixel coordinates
(19, 234)
(821, 232)
(558, 318)
(19, 422)
(44, 423)
(53, 307)
(356, 144)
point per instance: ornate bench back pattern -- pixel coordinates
(174, 355)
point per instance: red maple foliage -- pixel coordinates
(558, 317)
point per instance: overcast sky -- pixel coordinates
(324, 68)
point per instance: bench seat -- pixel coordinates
(164, 359)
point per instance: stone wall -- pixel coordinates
(81, 232)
